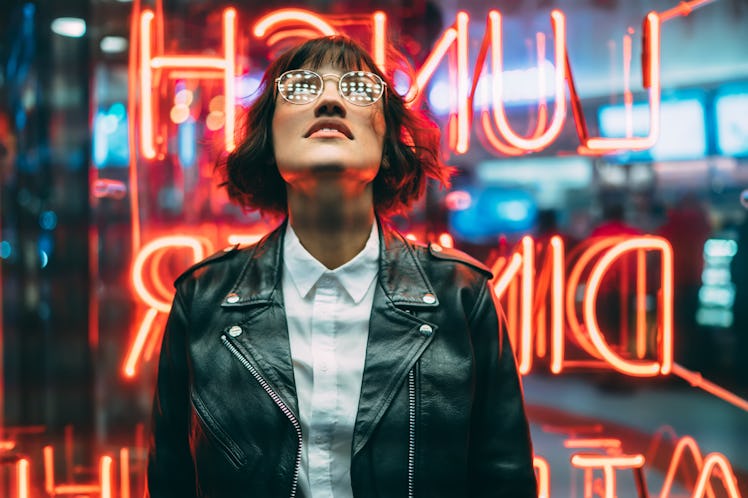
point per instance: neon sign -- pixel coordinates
(152, 286)
(152, 65)
(537, 285)
(553, 286)
(524, 287)
(603, 454)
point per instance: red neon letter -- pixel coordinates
(532, 300)
(22, 478)
(205, 65)
(505, 274)
(379, 40)
(458, 33)
(725, 473)
(288, 17)
(636, 368)
(154, 251)
(608, 464)
(539, 140)
(652, 74)
(543, 473)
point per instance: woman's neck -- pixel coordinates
(333, 230)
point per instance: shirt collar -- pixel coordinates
(355, 276)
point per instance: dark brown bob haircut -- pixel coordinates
(411, 143)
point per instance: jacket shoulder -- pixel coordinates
(223, 254)
(450, 254)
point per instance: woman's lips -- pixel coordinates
(327, 133)
(329, 129)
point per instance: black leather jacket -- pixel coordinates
(440, 414)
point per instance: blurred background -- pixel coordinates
(107, 193)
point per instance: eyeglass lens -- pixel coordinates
(301, 86)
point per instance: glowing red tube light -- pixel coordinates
(652, 76)
(557, 307)
(23, 478)
(379, 38)
(499, 112)
(589, 337)
(608, 464)
(696, 380)
(204, 65)
(679, 453)
(156, 303)
(543, 474)
(639, 368)
(289, 17)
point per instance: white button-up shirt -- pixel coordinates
(328, 325)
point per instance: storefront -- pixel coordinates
(601, 150)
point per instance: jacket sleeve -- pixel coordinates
(501, 457)
(170, 468)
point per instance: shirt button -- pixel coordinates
(326, 281)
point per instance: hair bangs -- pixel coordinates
(336, 51)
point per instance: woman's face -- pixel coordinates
(328, 139)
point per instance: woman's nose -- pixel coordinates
(330, 103)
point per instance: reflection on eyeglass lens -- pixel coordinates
(301, 86)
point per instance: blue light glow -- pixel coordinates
(73, 27)
(246, 88)
(48, 220)
(118, 111)
(732, 124)
(109, 140)
(520, 87)
(100, 140)
(5, 249)
(440, 98)
(187, 144)
(494, 211)
(682, 129)
(401, 82)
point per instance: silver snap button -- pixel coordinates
(436, 247)
(429, 298)
(235, 331)
(232, 298)
(426, 330)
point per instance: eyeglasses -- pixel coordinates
(302, 86)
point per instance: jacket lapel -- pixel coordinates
(396, 336)
(258, 294)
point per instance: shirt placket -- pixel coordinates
(324, 386)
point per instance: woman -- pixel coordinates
(335, 358)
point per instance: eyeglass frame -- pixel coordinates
(340, 90)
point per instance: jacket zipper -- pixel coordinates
(279, 402)
(411, 431)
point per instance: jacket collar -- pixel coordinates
(397, 336)
(400, 274)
